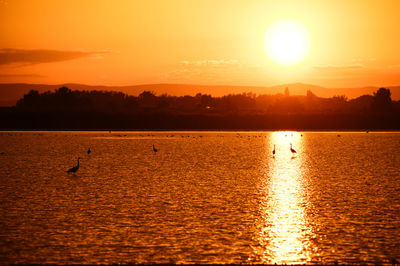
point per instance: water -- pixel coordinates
(204, 197)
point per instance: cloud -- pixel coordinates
(339, 67)
(21, 76)
(393, 66)
(10, 56)
(210, 70)
(211, 62)
(371, 59)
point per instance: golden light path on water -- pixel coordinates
(283, 231)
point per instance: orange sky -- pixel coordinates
(353, 43)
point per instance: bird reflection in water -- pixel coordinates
(283, 233)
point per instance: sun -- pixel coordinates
(287, 42)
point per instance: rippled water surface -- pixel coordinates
(204, 197)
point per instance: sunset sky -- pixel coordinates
(218, 42)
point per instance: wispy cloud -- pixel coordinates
(21, 76)
(340, 67)
(204, 69)
(371, 59)
(21, 56)
(396, 66)
(211, 62)
(213, 71)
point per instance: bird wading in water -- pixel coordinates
(155, 149)
(75, 168)
(292, 150)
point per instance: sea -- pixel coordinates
(199, 197)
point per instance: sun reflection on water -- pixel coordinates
(283, 231)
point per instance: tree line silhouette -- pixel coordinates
(67, 109)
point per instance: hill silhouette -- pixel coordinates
(11, 92)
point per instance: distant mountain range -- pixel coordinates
(10, 93)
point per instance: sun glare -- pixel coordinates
(287, 42)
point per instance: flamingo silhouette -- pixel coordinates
(154, 149)
(89, 151)
(292, 150)
(74, 169)
(273, 152)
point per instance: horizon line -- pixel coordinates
(191, 84)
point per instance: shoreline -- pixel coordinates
(199, 130)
